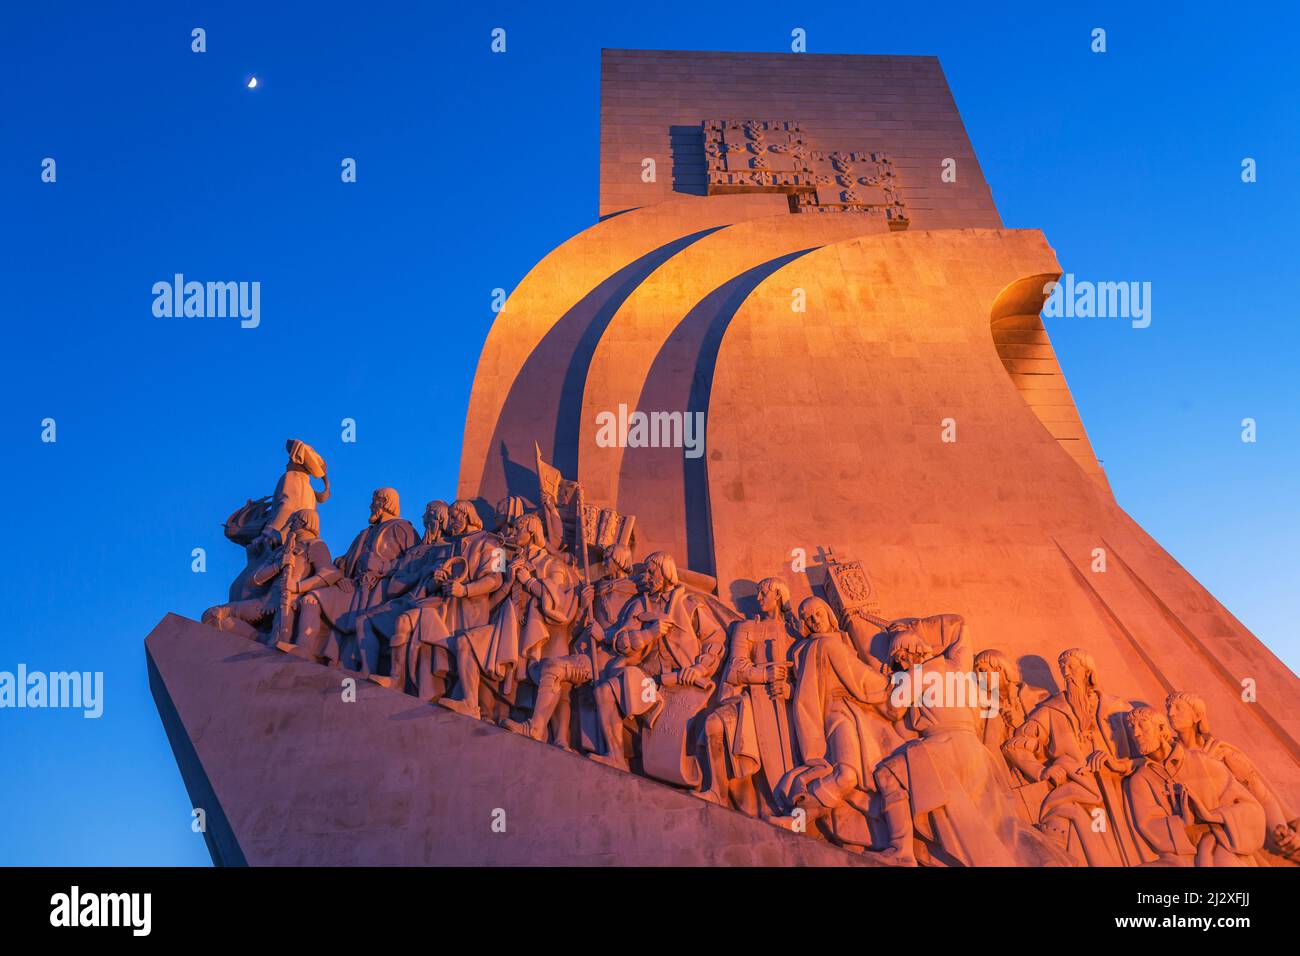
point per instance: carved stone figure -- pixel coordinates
(259, 526)
(532, 614)
(436, 516)
(293, 492)
(387, 624)
(667, 643)
(299, 566)
(1187, 806)
(836, 707)
(943, 795)
(508, 511)
(1189, 719)
(749, 737)
(1076, 743)
(458, 596)
(555, 677)
(1015, 701)
(932, 756)
(327, 616)
(474, 573)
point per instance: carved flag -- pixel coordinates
(601, 527)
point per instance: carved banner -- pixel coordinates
(667, 744)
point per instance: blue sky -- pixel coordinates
(471, 166)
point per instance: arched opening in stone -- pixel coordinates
(1027, 354)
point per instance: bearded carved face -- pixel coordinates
(1076, 674)
(434, 519)
(904, 659)
(377, 507)
(458, 520)
(988, 667)
(652, 579)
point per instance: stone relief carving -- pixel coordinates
(1076, 745)
(1189, 720)
(1187, 807)
(932, 754)
(748, 155)
(749, 743)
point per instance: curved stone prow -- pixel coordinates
(288, 772)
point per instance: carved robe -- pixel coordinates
(695, 639)
(834, 691)
(956, 789)
(1158, 797)
(1015, 703)
(437, 616)
(1053, 736)
(524, 627)
(403, 590)
(408, 584)
(1244, 771)
(293, 492)
(961, 810)
(373, 555)
(554, 677)
(591, 647)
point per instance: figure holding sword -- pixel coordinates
(749, 746)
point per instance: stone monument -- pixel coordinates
(778, 539)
